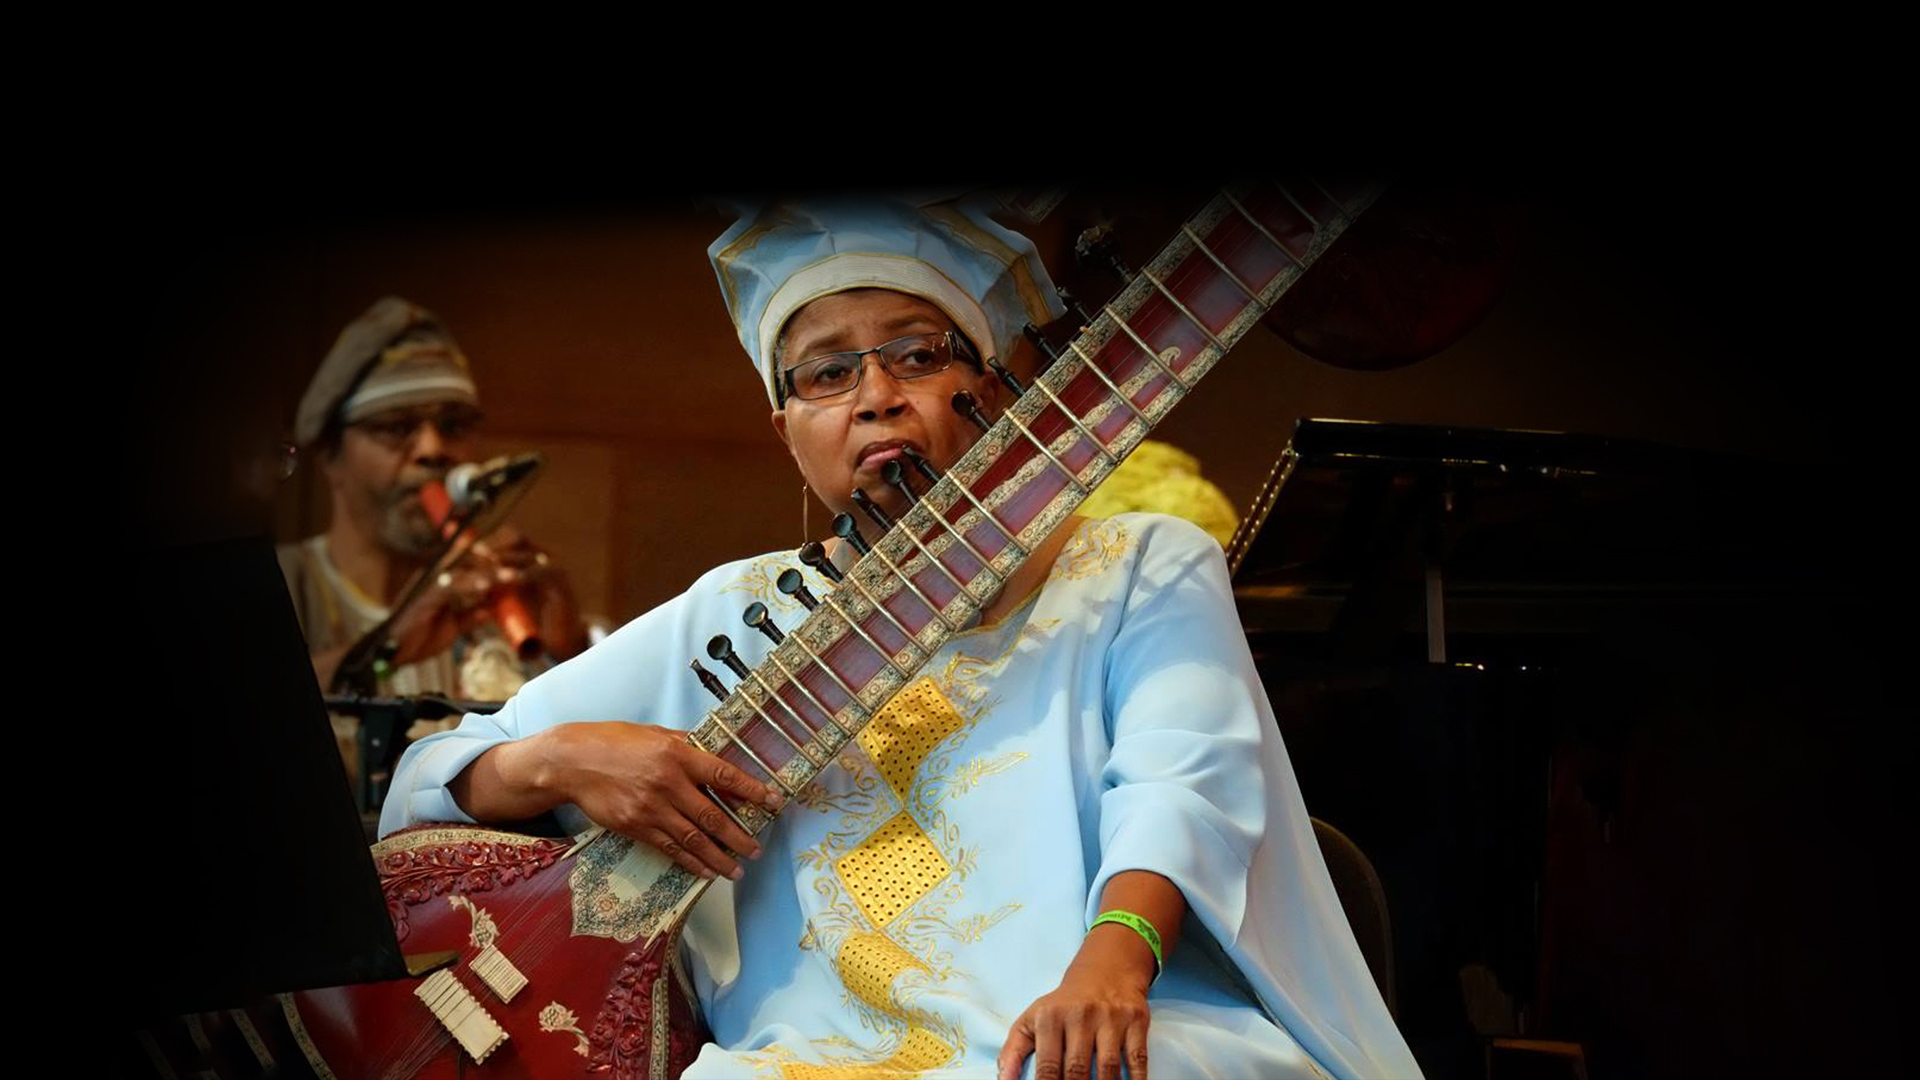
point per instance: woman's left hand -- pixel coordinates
(1095, 1020)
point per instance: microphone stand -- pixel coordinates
(383, 725)
(355, 683)
(359, 670)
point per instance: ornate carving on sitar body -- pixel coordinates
(417, 865)
(644, 1023)
(640, 1032)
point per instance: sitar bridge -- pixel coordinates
(498, 972)
(451, 1003)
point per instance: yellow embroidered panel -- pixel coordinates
(891, 869)
(868, 964)
(885, 918)
(906, 731)
(919, 1051)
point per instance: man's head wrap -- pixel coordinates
(395, 355)
(781, 256)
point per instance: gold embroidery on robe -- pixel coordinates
(891, 869)
(1095, 546)
(758, 579)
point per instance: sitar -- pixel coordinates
(561, 955)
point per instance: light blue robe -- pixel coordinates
(919, 897)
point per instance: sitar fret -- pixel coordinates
(732, 742)
(943, 527)
(1000, 539)
(798, 744)
(852, 700)
(934, 562)
(890, 621)
(942, 587)
(828, 732)
(934, 609)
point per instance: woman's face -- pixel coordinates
(841, 442)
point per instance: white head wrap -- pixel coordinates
(781, 256)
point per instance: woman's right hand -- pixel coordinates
(635, 779)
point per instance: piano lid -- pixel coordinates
(1523, 529)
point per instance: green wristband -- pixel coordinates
(1139, 926)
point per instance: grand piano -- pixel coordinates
(1602, 713)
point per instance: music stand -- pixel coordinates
(235, 863)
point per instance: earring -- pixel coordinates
(806, 510)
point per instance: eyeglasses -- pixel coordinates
(915, 356)
(396, 429)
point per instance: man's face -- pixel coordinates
(841, 442)
(383, 460)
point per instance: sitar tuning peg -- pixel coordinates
(895, 474)
(709, 680)
(791, 583)
(760, 619)
(812, 553)
(873, 511)
(965, 404)
(720, 647)
(1096, 246)
(1033, 334)
(846, 529)
(920, 464)
(1006, 377)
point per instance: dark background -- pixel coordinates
(1704, 303)
(1731, 301)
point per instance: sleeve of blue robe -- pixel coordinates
(639, 674)
(1198, 788)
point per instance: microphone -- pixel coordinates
(471, 482)
(507, 604)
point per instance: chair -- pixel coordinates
(1364, 901)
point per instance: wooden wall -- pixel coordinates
(598, 337)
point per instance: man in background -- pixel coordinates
(391, 408)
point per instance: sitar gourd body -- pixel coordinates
(559, 951)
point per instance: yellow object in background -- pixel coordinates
(1164, 479)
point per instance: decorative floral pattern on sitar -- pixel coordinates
(644, 1029)
(417, 865)
(557, 1017)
